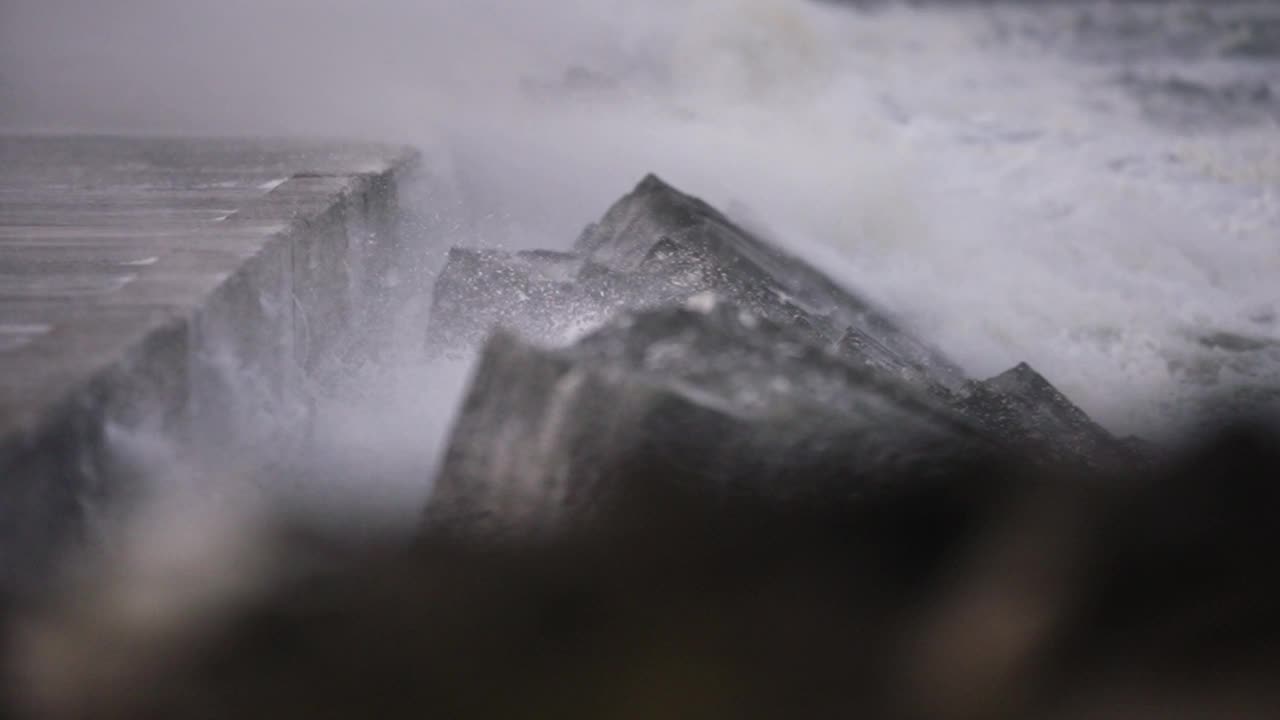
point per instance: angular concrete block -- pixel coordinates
(748, 270)
(1023, 407)
(657, 247)
(717, 361)
(480, 290)
(710, 399)
(176, 287)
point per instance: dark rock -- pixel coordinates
(717, 362)
(711, 399)
(658, 247)
(1021, 406)
(481, 289)
(997, 596)
(548, 297)
(864, 350)
(753, 365)
(1138, 448)
(657, 219)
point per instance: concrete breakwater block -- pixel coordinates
(708, 398)
(657, 247)
(1022, 406)
(716, 359)
(657, 218)
(172, 287)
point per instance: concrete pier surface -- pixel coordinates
(175, 286)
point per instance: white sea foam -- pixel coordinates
(1009, 201)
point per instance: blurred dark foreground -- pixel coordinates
(1004, 590)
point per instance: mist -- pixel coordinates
(1008, 199)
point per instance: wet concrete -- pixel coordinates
(173, 287)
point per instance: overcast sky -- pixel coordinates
(373, 67)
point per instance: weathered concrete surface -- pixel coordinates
(174, 285)
(656, 247)
(717, 362)
(657, 219)
(707, 398)
(479, 290)
(1024, 408)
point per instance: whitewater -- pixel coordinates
(995, 174)
(1090, 187)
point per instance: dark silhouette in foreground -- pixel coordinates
(997, 590)
(744, 492)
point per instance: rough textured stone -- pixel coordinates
(479, 290)
(747, 270)
(658, 247)
(1021, 405)
(708, 397)
(864, 350)
(716, 361)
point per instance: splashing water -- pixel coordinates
(1011, 200)
(1019, 183)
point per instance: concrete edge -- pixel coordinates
(310, 292)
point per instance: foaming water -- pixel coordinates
(967, 167)
(1012, 202)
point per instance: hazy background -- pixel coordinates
(1092, 188)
